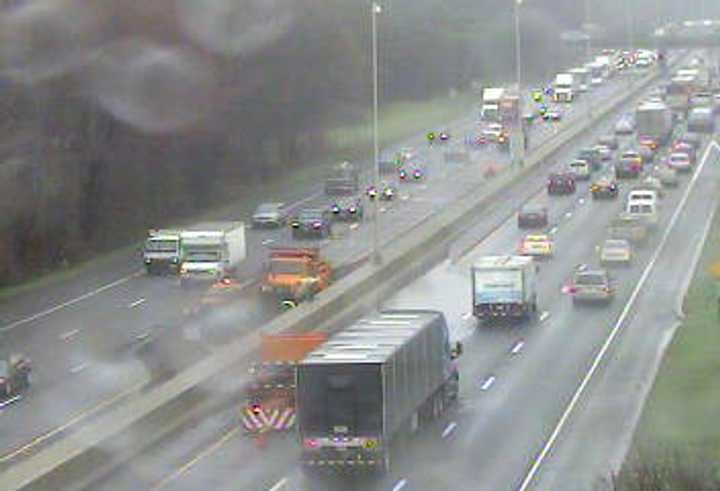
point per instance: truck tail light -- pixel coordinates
(317, 225)
(310, 443)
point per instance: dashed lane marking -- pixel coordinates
(488, 383)
(449, 429)
(79, 368)
(12, 400)
(61, 306)
(279, 485)
(544, 316)
(400, 485)
(553, 230)
(67, 336)
(517, 347)
(137, 303)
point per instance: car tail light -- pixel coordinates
(310, 443)
(569, 289)
(417, 174)
(352, 209)
(2, 380)
(403, 174)
(317, 224)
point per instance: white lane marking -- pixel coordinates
(466, 315)
(615, 330)
(553, 231)
(54, 309)
(488, 383)
(79, 368)
(7, 402)
(382, 209)
(137, 303)
(353, 226)
(517, 348)
(581, 200)
(400, 484)
(544, 316)
(279, 485)
(267, 241)
(568, 214)
(404, 197)
(449, 429)
(67, 336)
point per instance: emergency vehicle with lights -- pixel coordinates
(270, 396)
(294, 274)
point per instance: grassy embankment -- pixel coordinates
(397, 122)
(679, 432)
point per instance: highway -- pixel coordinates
(516, 382)
(81, 339)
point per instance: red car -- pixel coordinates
(561, 183)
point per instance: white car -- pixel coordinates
(493, 131)
(536, 245)
(614, 251)
(680, 162)
(596, 81)
(603, 151)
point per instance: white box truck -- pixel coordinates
(564, 87)
(654, 119)
(491, 97)
(504, 288)
(212, 251)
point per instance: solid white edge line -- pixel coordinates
(60, 306)
(279, 485)
(616, 329)
(400, 485)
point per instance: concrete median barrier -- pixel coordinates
(403, 259)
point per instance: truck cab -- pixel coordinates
(161, 253)
(296, 274)
(564, 88)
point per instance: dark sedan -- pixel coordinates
(533, 216)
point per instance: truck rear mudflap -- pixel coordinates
(349, 460)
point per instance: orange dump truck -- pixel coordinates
(271, 395)
(295, 274)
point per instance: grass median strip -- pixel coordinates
(681, 411)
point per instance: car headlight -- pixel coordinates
(352, 209)
(148, 260)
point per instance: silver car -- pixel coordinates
(616, 251)
(591, 286)
(270, 215)
(625, 125)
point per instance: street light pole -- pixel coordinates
(518, 79)
(588, 41)
(375, 253)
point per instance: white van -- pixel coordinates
(642, 195)
(581, 169)
(644, 209)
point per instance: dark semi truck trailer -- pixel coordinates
(382, 378)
